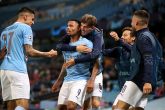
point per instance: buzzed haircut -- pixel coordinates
(89, 19)
(143, 15)
(77, 21)
(26, 9)
(132, 31)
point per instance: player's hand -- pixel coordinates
(3, 52)
(69, 63)
(90, 85)
(147, 88)
(52, 53)
(56, 86)
(114, 35)
(83, 49)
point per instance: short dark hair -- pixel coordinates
(77, 21)
(143, 15)
(26, 9)
(132, 31)
(89, 19)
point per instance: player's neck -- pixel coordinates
(74, 38)
(141, 27)
(20, 20)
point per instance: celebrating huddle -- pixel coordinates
(81, 73)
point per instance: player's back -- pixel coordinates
(14, 38)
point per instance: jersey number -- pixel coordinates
(9, 42)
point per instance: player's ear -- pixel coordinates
(25, 17)
(137, 23)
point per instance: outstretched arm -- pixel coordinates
(98, 42)
(63, 45)
(116, 37)
(30, 51)
(125, 45)
(112, 52)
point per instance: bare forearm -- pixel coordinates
(36, 53)
(61, 75)
(95, 70)
(33, 52)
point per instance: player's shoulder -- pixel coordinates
(8, 28)
(84, 39)
(24, 25)
(97, 30)
(144, 37)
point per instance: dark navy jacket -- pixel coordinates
(122, 55)
(146, 49)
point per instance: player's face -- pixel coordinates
(85, 29)
(29, 19)
(72, 28)
(134, 22)
(126, 36)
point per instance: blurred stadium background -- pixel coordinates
(50, 24)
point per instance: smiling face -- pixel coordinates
(88, 22)
(85, 29)
(127, 37)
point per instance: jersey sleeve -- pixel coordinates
(27, 35)
(89, 44)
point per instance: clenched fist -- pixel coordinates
(114, 35)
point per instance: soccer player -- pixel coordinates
(73, 90)
(18, 39)
(122, 53)
(135, 92)
(89, 31)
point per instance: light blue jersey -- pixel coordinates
(14, 37)
(79, 71)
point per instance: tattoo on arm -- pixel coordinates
(30, 51)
